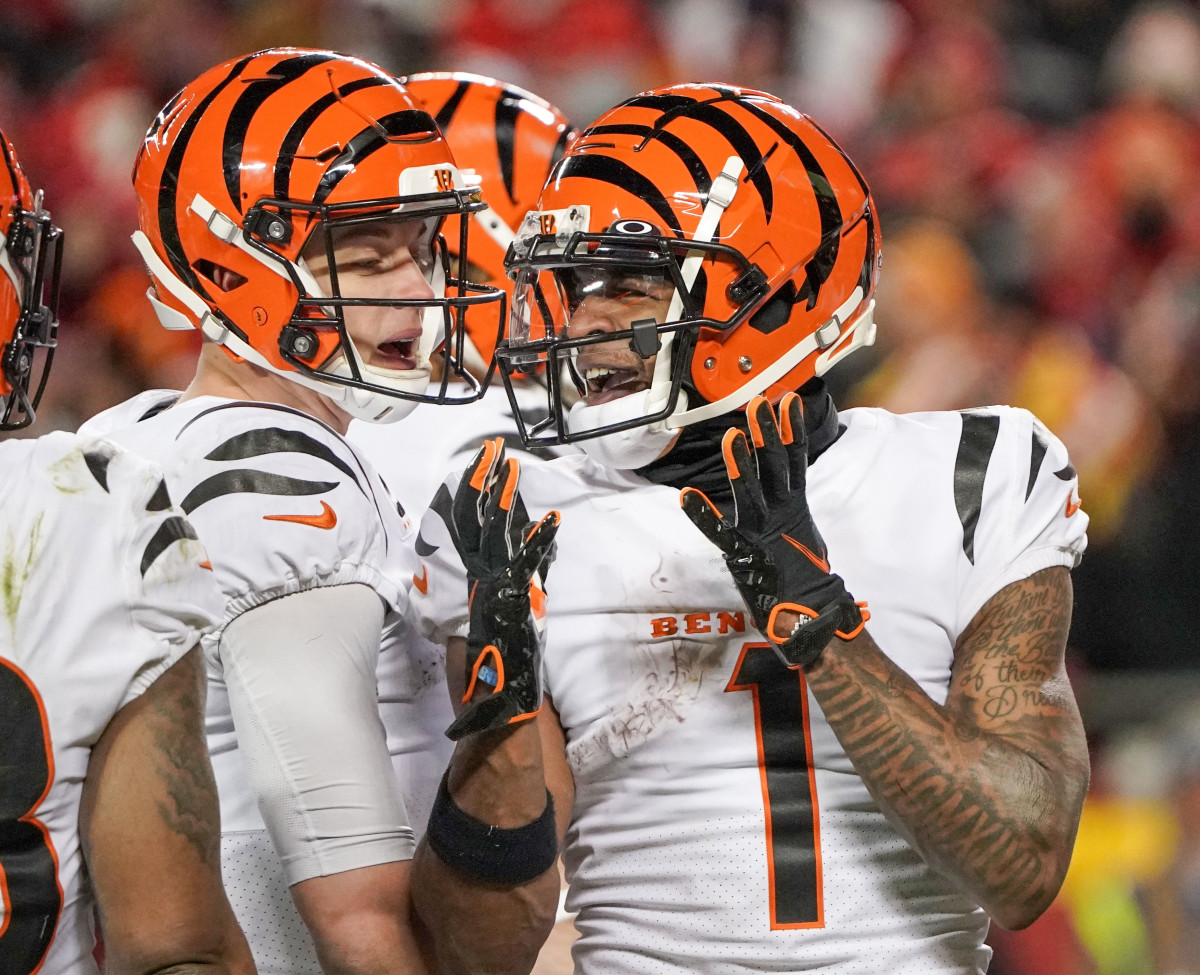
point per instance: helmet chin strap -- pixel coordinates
(638, 446)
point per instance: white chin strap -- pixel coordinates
(835, 342)
(362, 404)
(630, 449)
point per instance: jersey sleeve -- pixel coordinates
(283, 505)
(1017, 497)
(172, 598)
(439, 593)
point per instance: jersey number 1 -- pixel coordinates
(28, 868)
(788, 785)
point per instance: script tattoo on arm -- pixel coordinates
(989, 786)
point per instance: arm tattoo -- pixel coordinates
(190, 808)
(988, 787)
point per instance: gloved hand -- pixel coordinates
(772, 547)
(506, 559)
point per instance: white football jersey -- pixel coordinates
(283, 504)
(718, 825)
(102, 591)
(413, 458)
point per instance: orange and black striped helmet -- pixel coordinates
(253, 158)
(30, 264)
(761, 223)
(506, 139)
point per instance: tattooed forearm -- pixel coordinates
(989, 786)
(190, 807)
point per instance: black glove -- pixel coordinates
(773, 550)
(505, 558)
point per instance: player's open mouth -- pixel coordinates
(397, 354)
(606, 383)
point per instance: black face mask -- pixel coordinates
(696, 461)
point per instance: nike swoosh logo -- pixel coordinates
(422, 581)
(326, 519)
(820, 563)
(1072, 505)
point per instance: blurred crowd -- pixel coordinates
(1035, 163)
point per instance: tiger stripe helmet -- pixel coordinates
(253, 158)
(30, 265)
(763, 224)
(506, 139)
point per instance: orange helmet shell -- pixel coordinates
(313, 127)
(801, 213)
(510, 138)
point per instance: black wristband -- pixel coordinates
(506, 857)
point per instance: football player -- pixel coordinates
(107, 798)
(290, 208)
(504, 139)
(759, 772)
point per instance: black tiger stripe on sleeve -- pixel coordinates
(97, 459)
(172, 530)
(975, 446)
(160, 500)
(1037, 453)
(443, 506)
(246, 481)
(276, 440)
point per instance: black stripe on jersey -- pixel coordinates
(508, 108)
(172, 530)
(158, 408)
(1037, 453)
(605, 169)
(237, 404)
(247, 105)
(446, 112)
(97, 460)
(304, 122)
(258, 406)
(167, 225)
(410, 122)
(686, 154)
(1066, 474)
(161, 499)
(443, 506)
(274, 440)
(975, 446)
(247, 481)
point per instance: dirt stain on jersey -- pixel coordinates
(20, 556)
(672, 674)
(70, 475)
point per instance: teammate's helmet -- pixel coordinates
(505, 139)
(762, 225)
(30, 262)
(246, 164)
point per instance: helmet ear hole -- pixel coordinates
(224, 278)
